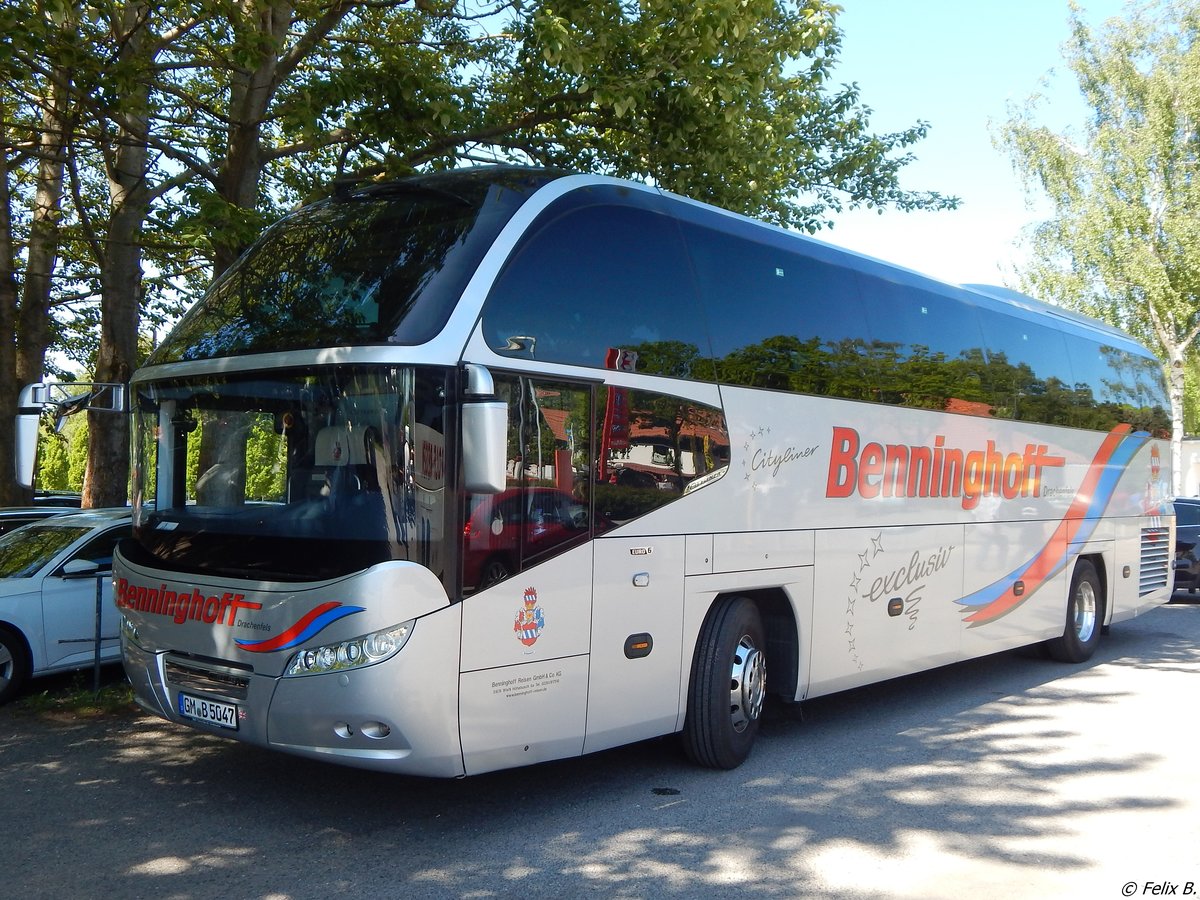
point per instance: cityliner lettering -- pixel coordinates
(180, 606)
(897, 470)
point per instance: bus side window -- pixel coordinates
(592, 276)
(549, 459)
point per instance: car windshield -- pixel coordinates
(24, 551)
(295, 475)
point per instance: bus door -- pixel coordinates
(637, 623)
(526, 560)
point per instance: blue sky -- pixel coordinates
(957, 64)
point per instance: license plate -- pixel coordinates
(214, 712)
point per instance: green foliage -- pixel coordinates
(246, 109)
(266, 469)
(62, 456)
(79, 697)
(1123, 243)
(726, 101)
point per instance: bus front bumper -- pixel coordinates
(396, 716)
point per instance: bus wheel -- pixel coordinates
(14, 664)
(1085, 611)
(729, 683)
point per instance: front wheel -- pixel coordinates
(728, 686)
(1085, 613)
(14, 664)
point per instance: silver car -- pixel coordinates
(49, 574)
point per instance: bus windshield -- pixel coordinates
(295, 475)
(380, 264)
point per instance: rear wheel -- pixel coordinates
(728, 686)
(1085, 615)
(14, 664)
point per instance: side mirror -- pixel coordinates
(78, 568)
(484, 434)
(100, 396)
(29, 413)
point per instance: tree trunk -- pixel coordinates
(106, 480)
(23, 356)
(250, 95)
(1175, 393)
(33, 324)
(10, 493)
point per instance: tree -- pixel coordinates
(34, 130)
(187, 127)
(1123, 243)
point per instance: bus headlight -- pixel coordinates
(352, 654)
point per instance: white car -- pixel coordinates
(49, 572)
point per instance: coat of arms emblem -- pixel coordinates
(530, 620)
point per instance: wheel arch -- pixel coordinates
(12, 686)
(782, 636)
(19, 633)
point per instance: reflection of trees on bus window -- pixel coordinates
(595, 275)
(700, 296)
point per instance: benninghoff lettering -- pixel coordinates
(899, 470)
(183, 605)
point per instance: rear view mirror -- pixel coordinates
(484, 434)
(29, 413)
(54, 396)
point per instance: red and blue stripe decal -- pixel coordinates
(1094, 494)
(313, 622)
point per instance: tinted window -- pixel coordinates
(1114, 387)
(583, 460)
(653, 449)
(100, 549)
(1029, 371)
(927, 350)
(592, 277)
(382, 264)
(1187, 514)
(546, 506)
(779, 319)
(24, 551)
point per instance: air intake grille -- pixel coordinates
(1156, 560)
(192, 677)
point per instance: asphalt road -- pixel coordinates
(1006, 777)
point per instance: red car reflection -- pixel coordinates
(500, 531)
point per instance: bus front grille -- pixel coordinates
(207, 679)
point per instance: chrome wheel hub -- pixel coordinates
(747, 684)
(1085, 612)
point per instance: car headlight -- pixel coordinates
(352, 654)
